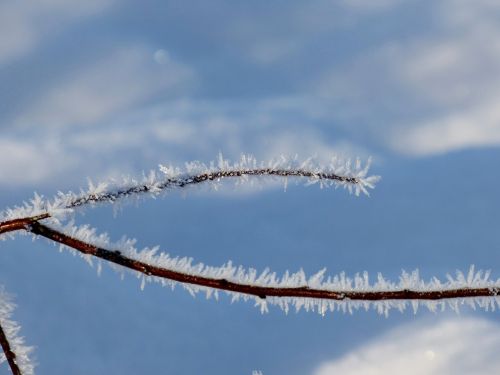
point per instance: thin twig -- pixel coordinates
(260, 291)
(188, 180)
(9, 354)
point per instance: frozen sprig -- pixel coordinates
(318, 292)
(11, 330)
(56, 208)
(337, 172)
(351, 175)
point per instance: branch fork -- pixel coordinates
(41, 218)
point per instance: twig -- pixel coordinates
(19, 224)
(260, 291)
(188, 180)
(9, 354)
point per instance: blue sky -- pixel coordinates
(105, 88)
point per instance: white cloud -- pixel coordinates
(125, 77)
(478, 126)
(171, 132)
(460, 74)
(25, 162)
(300, 24)
(431, 92)
(453, 69)
(24, 24)
(458, 346)
(82, 123)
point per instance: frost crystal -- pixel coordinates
(11, 330)
(322, 293)
(337, 173)
(340, 284)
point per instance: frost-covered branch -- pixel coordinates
(352, 176)
(21, 223)
(337, 173)
(313, 293)
(316, 292)
(49, 219)
(8, 355)
(15, 352)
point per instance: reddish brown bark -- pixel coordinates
(18, 224)
(9, 354)
(260, 291)
(33, 225)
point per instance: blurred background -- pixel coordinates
(105, 88)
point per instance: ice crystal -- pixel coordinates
(350, 175)
(11, 330)
(340, 283)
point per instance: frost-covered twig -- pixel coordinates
(21, 223)
(9, 355)
(314, 293)
(338, 292)
(15, 352)
(337, 173)
(294, 289)
(352, 176)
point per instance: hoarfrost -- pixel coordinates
(337, 173)
(348, 174)
(341, 283)
(11, 330)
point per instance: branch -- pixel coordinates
(337, 292)
(338, 173)
(189, 180)
(15, 352)
(22, 223)
(9, 354)
(470, 286)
